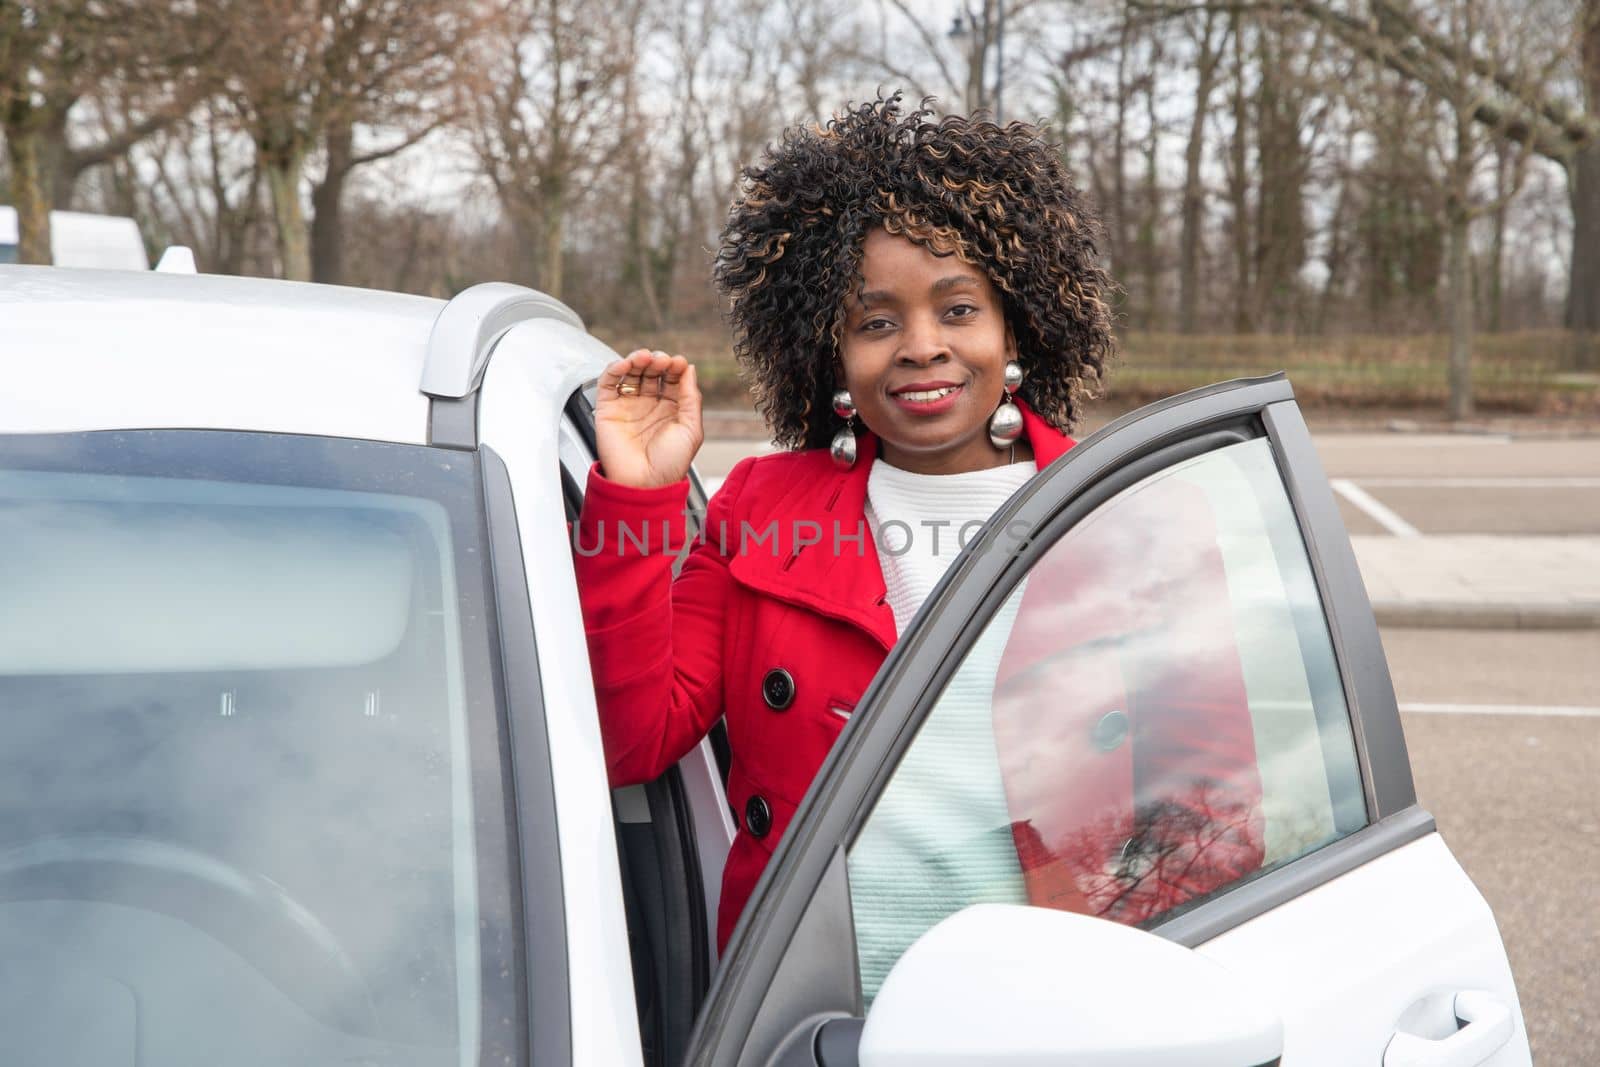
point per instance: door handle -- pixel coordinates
(1485, 1028)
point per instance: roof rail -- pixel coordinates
(463, 337)
(469, 327)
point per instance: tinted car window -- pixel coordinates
(1154, 715)
(252, 806)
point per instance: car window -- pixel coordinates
(1153, 715)
(252, 800)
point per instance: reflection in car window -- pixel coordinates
(1153, 715)
(251, 800)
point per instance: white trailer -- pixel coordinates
(79, 239)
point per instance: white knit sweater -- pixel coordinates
(939, 838)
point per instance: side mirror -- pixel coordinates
(1011, 985)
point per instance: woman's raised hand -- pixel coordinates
(647, 419)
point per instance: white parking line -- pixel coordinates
(1400, 440)
(1374, 510)
(1479, 483)
(1568, 711)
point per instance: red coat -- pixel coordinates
(768, 589)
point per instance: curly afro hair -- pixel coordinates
(998, 198)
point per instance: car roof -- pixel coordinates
(92, 349)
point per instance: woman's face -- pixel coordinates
(925, 345)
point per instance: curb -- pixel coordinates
(1454, 615)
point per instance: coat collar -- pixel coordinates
(840, 575)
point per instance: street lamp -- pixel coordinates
(966, 22)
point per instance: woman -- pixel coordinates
(918, 309)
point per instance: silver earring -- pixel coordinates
(1005, 425)
(843, 448)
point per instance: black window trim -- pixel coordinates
(542, 898)
(1353, 629)
(839, 798)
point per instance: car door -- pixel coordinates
(1151, 691)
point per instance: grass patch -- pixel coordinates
(1537, 372)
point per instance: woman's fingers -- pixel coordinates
(618, 372)
(647, 425)
(620, 377)
(646, 374)
(688, 393)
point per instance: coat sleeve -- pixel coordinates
(655, 643)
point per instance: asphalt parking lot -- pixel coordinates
(1464, 484)
(1516, 792)
(1503, 725)
(1515, 799)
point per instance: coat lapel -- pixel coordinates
(821, 554)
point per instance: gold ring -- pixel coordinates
(627, 389)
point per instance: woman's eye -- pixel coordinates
(871, 325)
(964, 311)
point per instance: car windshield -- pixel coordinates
(252, 800)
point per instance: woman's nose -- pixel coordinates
(922, 342)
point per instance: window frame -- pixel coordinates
(782, 963)
(543, 982)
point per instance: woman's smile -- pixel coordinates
(927, 398)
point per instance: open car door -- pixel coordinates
(1131, 789)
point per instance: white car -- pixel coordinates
(300, 764)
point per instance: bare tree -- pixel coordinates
(1209, 38)
(1460, 51)
(56, 59)
(965, 61)
(817, 49)
(550, 110)
(1290, 109)
(205, 191)
(391, 77)
(1238, 172)
(1520, 103)
(296, 71)
(34, 68)
(1470, 27)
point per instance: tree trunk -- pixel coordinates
(327, 200)
(28, 194)
(552, 233)
(1337, 255)
(1583, 176)
(283, 183)
(1120, 247)
(1280, 228)
(524, 217)
(1460, 297)
(60, 171)
(1239, 188)
(1494, 298)
(638, 270)
(1583, 293)
(1193, 189)
(1150, 220)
